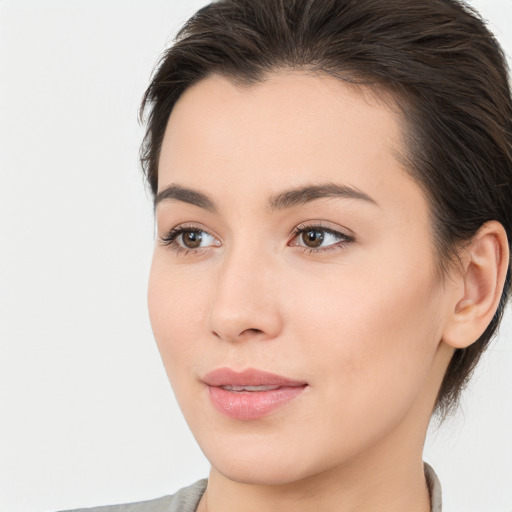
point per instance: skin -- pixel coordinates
(361, 319)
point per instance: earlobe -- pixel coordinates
(482, 277)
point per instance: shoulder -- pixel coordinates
(185, 500)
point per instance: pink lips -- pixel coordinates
(250, 394)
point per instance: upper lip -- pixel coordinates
(248, 377)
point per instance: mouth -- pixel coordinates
(238, 389)
(250, 394)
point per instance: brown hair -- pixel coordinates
(444, 69)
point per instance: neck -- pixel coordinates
(388, 480)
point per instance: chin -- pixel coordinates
(265, 463)
(258, 473)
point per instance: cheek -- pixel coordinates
(176, 309)
(373, 331)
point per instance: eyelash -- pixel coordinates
(344, 239)
(170, 240)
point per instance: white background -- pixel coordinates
(86, 414)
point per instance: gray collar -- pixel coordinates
(434, 489)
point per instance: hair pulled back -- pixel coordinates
(444, 69)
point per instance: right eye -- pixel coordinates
(189, 239)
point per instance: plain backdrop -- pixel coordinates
(86, 414)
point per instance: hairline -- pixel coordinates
(397, 101)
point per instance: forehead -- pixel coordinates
(288, 130)
(291, 105)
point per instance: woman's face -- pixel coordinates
(292, 242)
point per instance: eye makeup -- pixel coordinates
(188, 239)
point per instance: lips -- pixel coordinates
(250, 394)
(249, 388)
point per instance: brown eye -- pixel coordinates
(312, 238)
(320, 239)
(192, 239)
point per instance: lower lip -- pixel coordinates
(251, 405)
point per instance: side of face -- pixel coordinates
(333, 290)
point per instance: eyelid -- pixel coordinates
(326, 226)
(345, 235)
(170, 238)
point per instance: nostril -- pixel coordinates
(243, 334)
(251, 331)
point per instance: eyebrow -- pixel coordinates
(307, 194)
(185, 195)
(284, 200)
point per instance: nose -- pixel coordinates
(245, 302)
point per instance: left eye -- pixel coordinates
(318, 238)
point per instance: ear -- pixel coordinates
(478, 286)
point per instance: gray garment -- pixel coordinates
(187, 499)
(434, 489)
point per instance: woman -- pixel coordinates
(332, 184)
